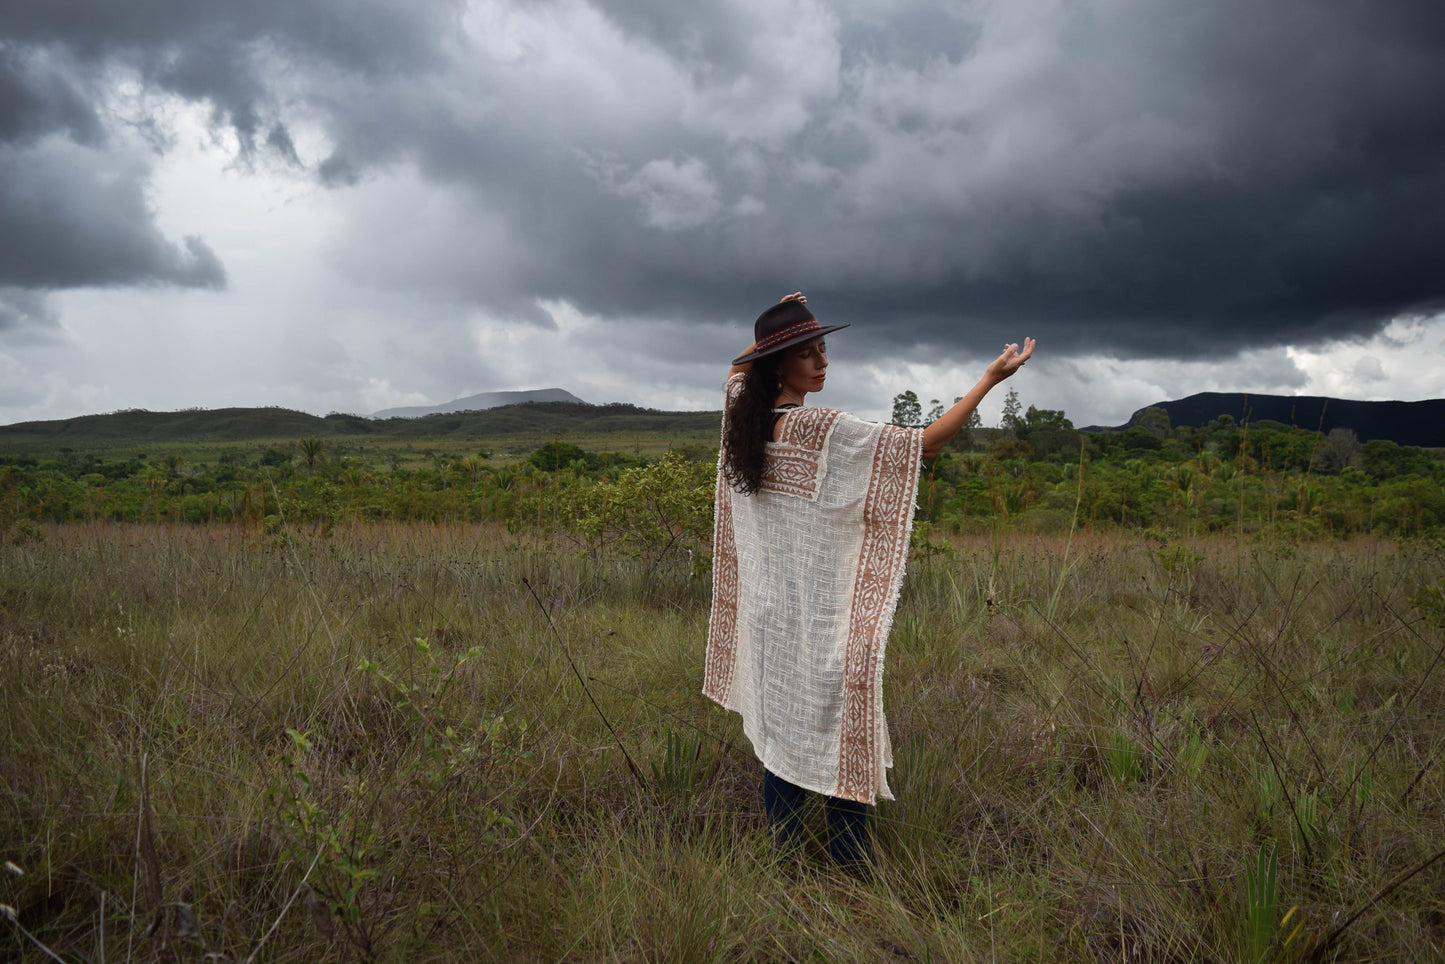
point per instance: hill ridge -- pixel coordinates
(481, 402)
(544, 419)
(1420, 423)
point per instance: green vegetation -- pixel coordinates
(1044, 476)
(446, 741)
(1162, 695)
(1038, 474)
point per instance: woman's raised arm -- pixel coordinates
(936, 435)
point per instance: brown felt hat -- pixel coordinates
(784, 325)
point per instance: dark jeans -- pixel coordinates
(847, 822)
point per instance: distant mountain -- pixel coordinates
(481, 402)
(1404, 423)
(222, 424)
(531, 420)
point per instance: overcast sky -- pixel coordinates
(350, 205)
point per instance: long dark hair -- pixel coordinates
(749, 421)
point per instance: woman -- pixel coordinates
(810, 540)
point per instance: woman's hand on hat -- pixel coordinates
(795, 296)
(1011, 360)
(740, 369)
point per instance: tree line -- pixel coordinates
(1033, 471)
(1037, 468)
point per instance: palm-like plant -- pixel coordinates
(311, 448)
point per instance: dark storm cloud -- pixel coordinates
(73, 208)
(24, 311)
(1146, 179)
(72, 216)
(206, 47)
(1135, 178)
(36, 97)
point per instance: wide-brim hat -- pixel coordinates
(784, 325)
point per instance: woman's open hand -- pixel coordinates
(943, 428)
(795, 296)
(1011, 360)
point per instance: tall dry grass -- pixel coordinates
(441, 743)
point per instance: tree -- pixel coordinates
(935, 410)
(655, 509)
(470, 468)
(1012, 423)
(1046, 418)
(1155, 421)
(1050, 433)
(1222, 436)
(558, 455)
(966, 436)
(907, 412)
(1337, 451)
(311, 448)
(1140, 439)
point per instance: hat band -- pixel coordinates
(803, 326)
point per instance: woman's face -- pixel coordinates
(804, 368)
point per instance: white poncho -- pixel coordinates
(806, 575)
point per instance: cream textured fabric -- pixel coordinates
(806, 575)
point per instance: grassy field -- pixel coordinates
(451, 743)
